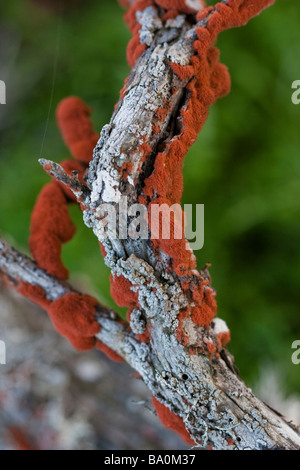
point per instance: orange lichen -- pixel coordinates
(73, 316)
(170, 14)
(34, 293)
(144, 337)
(223, 338)
(206, 306)
(181, 335)
(135, 48)
(211, 348)
(171, 421)
(102, 249)
(231, 15)
(181, 259)
(122, 293)
(207, 80)
(126, 169)
(179, 5)
(108, 351)
(51, 226)
(120, 290)
(72, 116)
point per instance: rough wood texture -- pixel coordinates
(217, 408)
(215, 404)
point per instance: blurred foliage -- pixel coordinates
(244, 167)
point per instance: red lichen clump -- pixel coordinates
(135, 48)
(120, 290)
(223, 338)
(165, 184)
(73, 316)
(171, 421)
(182, 6)
(122, 293)
(73, 120)
(233, 14)
(206, 305)
(51, 226)
(34, 293)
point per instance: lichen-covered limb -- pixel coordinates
(176, 76)
(17, 269)
(216, 405)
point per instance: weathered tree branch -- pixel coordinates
(215, 402)
(17, 268)
(184, 363)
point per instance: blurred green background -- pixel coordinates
(245, 166)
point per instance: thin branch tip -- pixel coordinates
(70, 181)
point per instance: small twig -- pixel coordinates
(72, 182)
